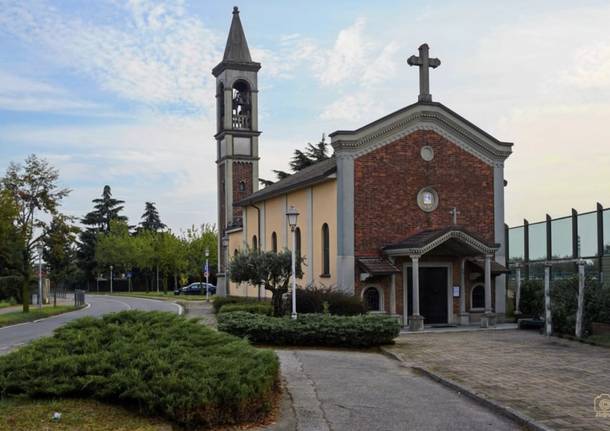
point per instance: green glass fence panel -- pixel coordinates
(607, 232)
(561, 238)
(537, 237)
(515, 243)
(587, 232)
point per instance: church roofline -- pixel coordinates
(410, 107)
(421, 116)
(314, 174)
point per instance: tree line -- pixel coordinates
(79, 251)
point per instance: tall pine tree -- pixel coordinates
(302, 159)
(150, 219)
(105, 210)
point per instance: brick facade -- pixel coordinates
(388, 179)
(242, 173)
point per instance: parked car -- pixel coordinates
(196, 289)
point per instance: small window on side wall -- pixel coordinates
(274, 242)
(254, 243)
(371, 299)
(325, 251)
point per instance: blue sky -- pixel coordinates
(120, 92)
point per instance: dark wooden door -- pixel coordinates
(432, 294)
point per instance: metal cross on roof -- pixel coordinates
(424, 62)
(454, 213)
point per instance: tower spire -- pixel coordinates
(237, 46)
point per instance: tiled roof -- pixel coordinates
(425, 237)
(496, 268)
(313, 174)
(377, 265)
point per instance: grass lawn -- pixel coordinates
(602, 340)
(34, 314)
(161, 295)
(76, 414)
(4, 304)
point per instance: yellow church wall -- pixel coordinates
(274, 221)
(324, 201)
(324, 210)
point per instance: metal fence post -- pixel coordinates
(547, 300)
(581, 297)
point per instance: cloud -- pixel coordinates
(151, 53)
(19, 93)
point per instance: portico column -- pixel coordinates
(464, 317)
(416, 322)
(488, 283)
(489, 318)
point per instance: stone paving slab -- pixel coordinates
(551, 380)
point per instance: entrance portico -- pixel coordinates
(428, 259)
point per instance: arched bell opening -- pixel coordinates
(242, 105)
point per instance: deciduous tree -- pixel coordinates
(34, 188)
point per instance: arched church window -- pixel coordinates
(478, 296)
(254, 243)
(242, 186)
(242, 106)
(325, 250)
(235, 253)
(372, 299)
(274, 242)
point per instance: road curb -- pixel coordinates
(481, 399)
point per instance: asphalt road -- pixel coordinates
(341, 390)
(14, 336)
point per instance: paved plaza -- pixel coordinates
(553, 381)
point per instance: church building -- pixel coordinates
(408, 213)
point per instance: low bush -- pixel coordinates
(219, 301)
(564, 303)
(254, 308)
(312, 329)
(313, 300)
(157, 363)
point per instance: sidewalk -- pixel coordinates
(550, 380)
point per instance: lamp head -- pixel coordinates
(293, 215)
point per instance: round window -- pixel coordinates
(427, 153)
(427, 199)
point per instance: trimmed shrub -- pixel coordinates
(312, 329)
(564, 303)
(157, 363)
(312, 300)
(255, 308)
(219, 301)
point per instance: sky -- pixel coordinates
(120, 92)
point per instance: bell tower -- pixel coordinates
(237, 135)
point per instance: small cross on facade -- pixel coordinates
(454, 213)
(424, 62)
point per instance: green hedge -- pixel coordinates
(157, 363)
(564, 303)
(255, 308)
(315, 299)
(312, 329)
(219, 301)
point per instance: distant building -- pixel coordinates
(415, 198)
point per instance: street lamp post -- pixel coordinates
(110, 279)
(207, 275)
(39, 250)
(293, 215)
